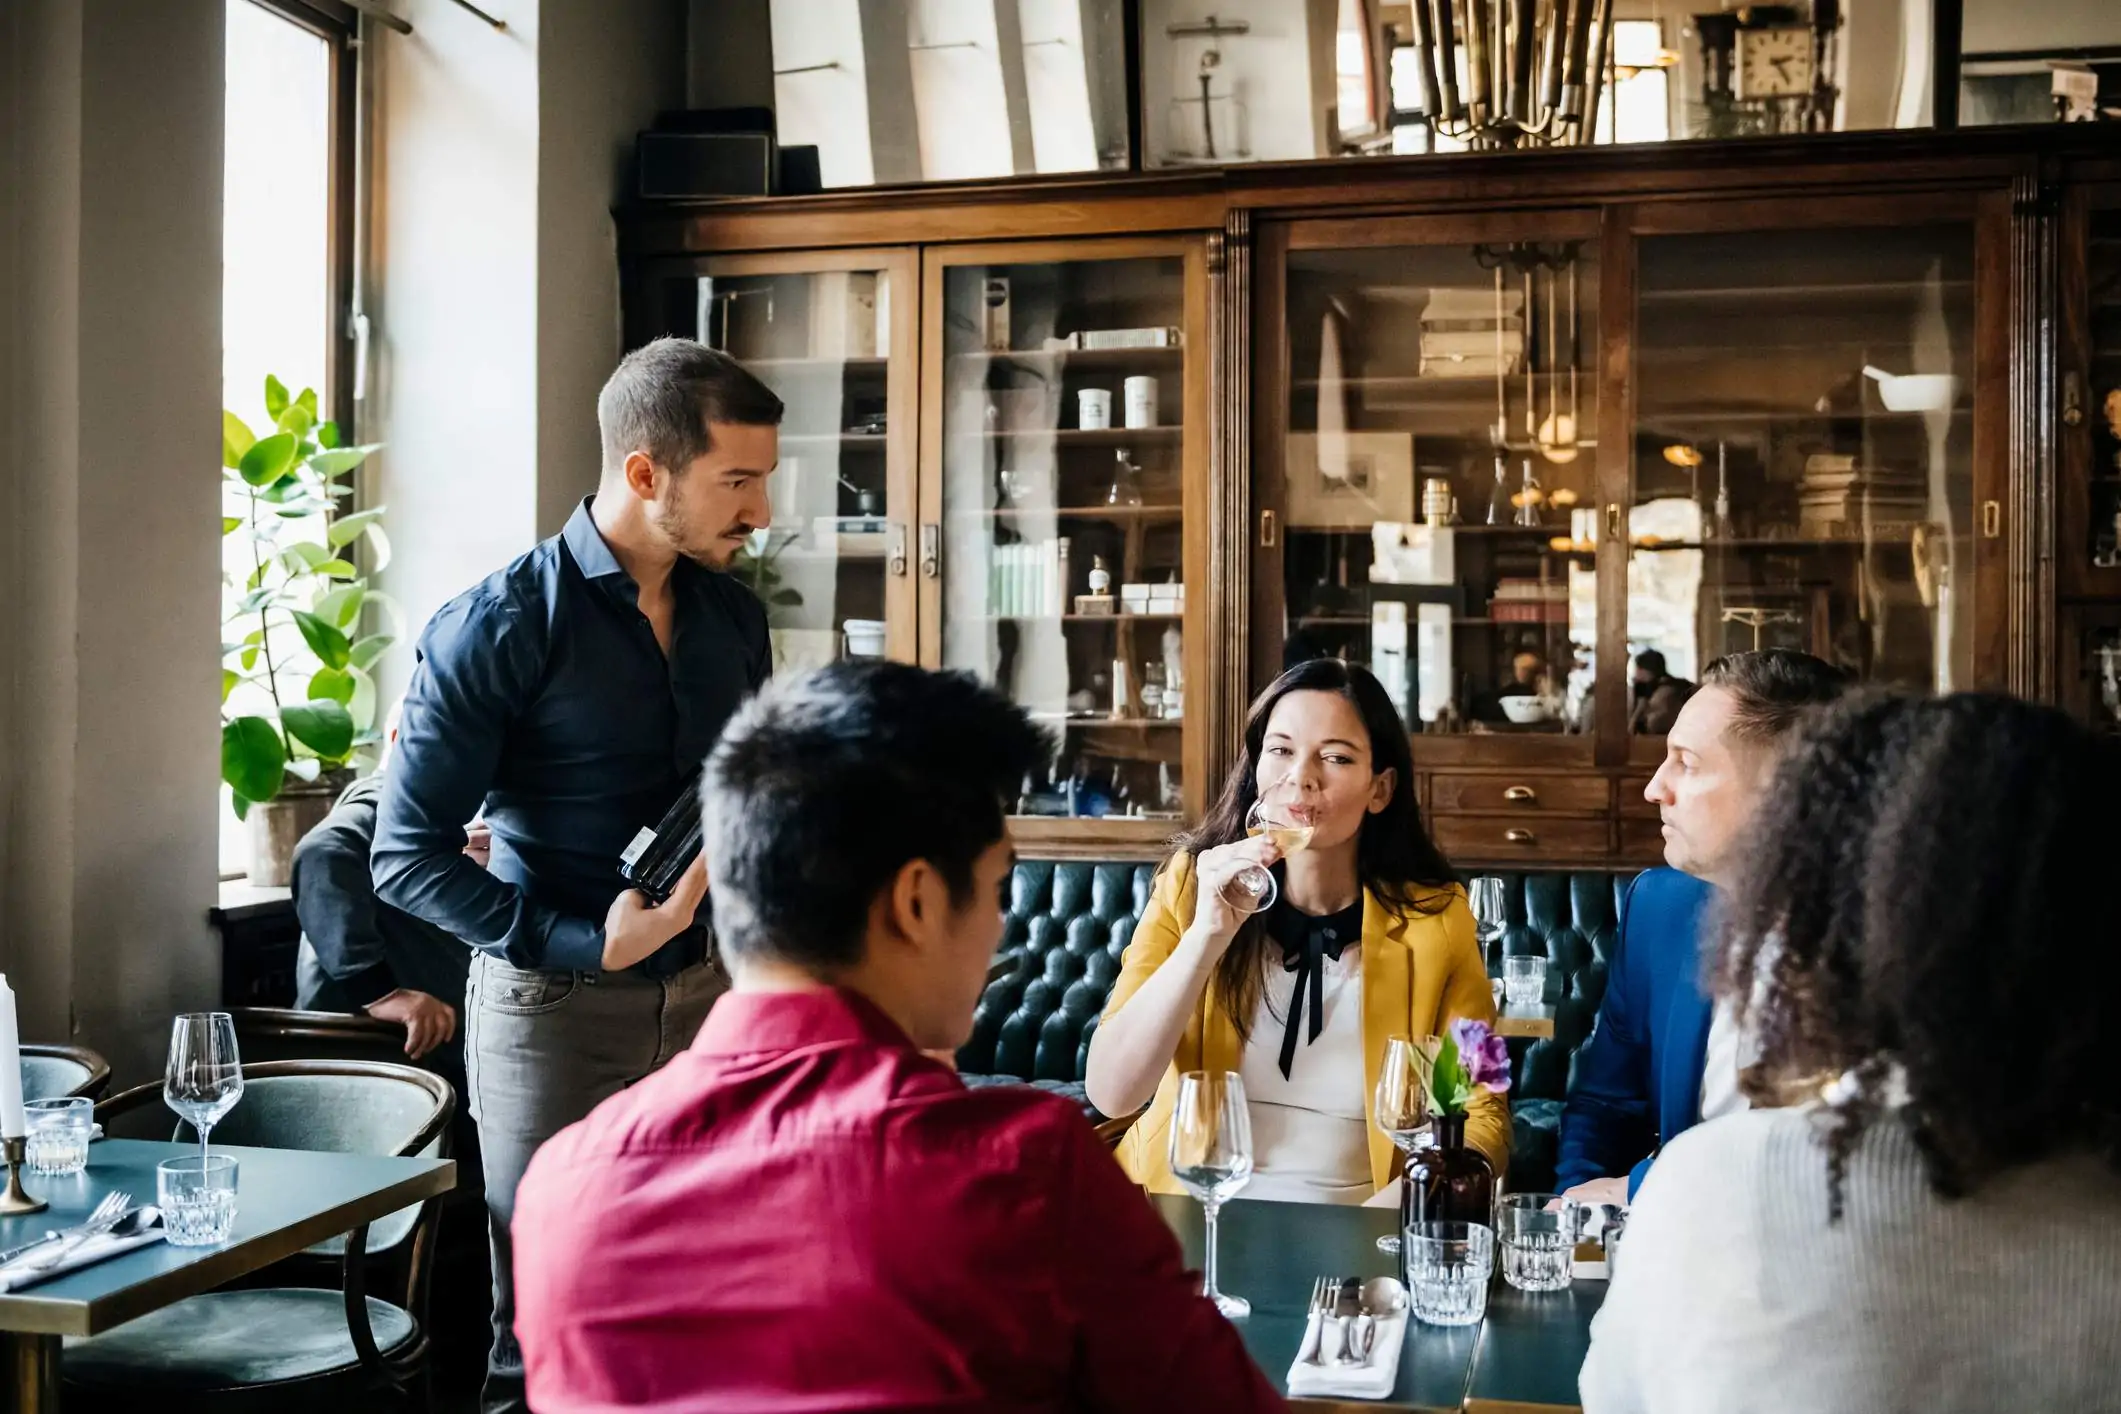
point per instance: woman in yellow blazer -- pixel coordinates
(1371, 938)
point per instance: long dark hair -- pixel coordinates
(1394, 856)
(1929, 903)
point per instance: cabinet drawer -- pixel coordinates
(1631, 799)
(1642, 841)
(1452, 792)
(1531, 839)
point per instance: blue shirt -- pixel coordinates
(542, 696)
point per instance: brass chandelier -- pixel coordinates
(1512, 73)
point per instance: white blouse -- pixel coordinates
(1310, 1130)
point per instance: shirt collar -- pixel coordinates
(586, 543)
(749, 1022)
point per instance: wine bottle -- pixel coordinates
(658, 856)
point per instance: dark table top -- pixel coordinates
(286, 1200)
(1523, 1357)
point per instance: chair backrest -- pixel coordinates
(56, 1072)
(279, 1033)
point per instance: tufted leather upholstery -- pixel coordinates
(1069, 921)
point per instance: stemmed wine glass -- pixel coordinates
(1491, 916)
(1401, 1106)
(1211, 1157)
(1283, 815)
(204, 1078)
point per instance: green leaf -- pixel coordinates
(365, 652)
(257, 599)
(229, 678)
(275, 397)
(299, 417)
(337, 569)
(253, 758)
(250, 659)
(229, 524)
(378, 548)
(340, 460)
(236, 439)
(304, 555)
(347, 529)
(323, 639)
(332, 684)
(327, 434)
(268, 459)
(340, 607)
(326, 727)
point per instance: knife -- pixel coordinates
(1355, 1324)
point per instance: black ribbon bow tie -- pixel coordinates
(1306, 943)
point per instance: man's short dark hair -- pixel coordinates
(1773, 689)
(1649, 660)
(663, 395)
(826, 785)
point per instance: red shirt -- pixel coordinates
(802, 1212)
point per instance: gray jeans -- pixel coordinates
(542, 1050)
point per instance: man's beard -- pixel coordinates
(714, 554)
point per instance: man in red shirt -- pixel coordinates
(804, 1213)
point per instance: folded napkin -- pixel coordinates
(25, 1271)
(1373, 1380)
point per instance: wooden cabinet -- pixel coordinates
(1493, 424)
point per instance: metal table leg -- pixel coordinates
(32, 1364)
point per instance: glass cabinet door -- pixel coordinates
(833, 334)
(1803, 455)
(1437, 483)
(1063, 428)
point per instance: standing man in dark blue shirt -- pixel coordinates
(571, 696)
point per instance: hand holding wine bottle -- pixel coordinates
(635, 928)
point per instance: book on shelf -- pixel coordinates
(1460, 304)
(1029, 579)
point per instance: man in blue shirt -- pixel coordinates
(1660, 1059)
(571, 696)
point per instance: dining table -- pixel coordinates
(286, 1200)
(1522, 1358)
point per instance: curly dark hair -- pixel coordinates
(1928, 907)
(1395, 857)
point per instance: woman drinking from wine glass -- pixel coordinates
(1305, 922)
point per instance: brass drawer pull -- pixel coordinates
(1520, 837)
(1521, 795)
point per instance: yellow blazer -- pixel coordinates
(1419, 973)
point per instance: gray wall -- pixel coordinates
(110, 401)
(731, 54)
(494, 274)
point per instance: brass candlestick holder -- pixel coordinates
(14, 1202)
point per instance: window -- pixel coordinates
(286, 248)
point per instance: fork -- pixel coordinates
(1317, 1314)
(107, 1215)
(1332, 1330)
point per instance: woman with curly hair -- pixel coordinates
(1923, 955)
(1369, 938)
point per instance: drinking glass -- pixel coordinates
(1211, 1157)
(1401, 1106)
(1538, 1233)
(1448, 1266)
(197, 1198)
(1283, 815)
(204, 1078)
(58, 1134)
(1491, 914)
(1524, 980)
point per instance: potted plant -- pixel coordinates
(297, 701)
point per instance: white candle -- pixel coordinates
(12, 1123)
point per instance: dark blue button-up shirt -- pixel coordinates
(542, 696)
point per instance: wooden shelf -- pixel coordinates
(854, 440)
(1072, 618)
(1078, 436)
(1074, 358)
(868, 364)
(1071, 512)
(1770, 546)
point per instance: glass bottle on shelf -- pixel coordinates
(1126, 489)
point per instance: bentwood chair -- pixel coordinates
(286, 1348)
(60, 1072)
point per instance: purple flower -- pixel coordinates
(1483, 1055)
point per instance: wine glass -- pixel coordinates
(1283, 815)
(1401, 1106)
(1211, 1157)
(1491, 915)
(204, 1078)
